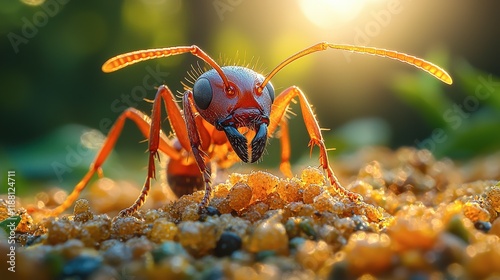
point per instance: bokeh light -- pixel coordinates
(33, 2)
(326, 13)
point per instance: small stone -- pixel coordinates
(197, 238)
(312, 175)
(416, 227)
(60, 230)
(475, 212)
(191, 212)
(310, 192)
(81, 267)
(274, 201)
(168, 249)
(495, 228)
(262, 184)
(493, 197)
(227, 244)
(213, 273)
(174, 267)
(295, 209)
(208, 211)
(221, 204)
(237, 177)
(290, 190)
(307, 227)
(374, 214)
(163, 230)
(117, 253)
(368, 253)
(186, 205)
(235, 224)
(125, 228)
(152, 215)
(239, 196)
(82, 211)
(221, 190)
(255, 211)
(313, 255)
(269, 235)
(71, 248)
(331, 236)
(482, 226)
(95, 230)
(261, 256)
(139, 246)
(360, 224)
(26, 224)
(324, 202)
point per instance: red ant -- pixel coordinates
(228, 115)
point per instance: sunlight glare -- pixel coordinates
(33, 2)
(327, 13)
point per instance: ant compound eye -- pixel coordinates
(270, 90)
(202, 92)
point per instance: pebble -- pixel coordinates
(168, 249)
(239, 196)
(269, 234)
(163, 230)
(376, 250)
(261, 183)
(81, 267)
(198, 238)
(227, 244)
(117, 253)
(126, 227)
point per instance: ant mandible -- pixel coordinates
(227, 116)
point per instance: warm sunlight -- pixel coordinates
(325, 13)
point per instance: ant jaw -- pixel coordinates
(259, 142)
(240, 144)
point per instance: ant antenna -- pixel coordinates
(429, 67)
(126, 59)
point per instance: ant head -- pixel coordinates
(214, 102)
(241, 113)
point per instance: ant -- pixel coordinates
(227, 116)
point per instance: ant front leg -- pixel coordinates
(278, 110)
(155, 141)
(196, 145)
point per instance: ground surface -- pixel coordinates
(420, 218)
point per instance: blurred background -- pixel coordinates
(57, 105)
